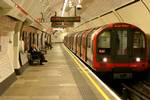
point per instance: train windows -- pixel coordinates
(138, 42)
(104, 40)
(122, 42)
(103, 44)
(119, 41)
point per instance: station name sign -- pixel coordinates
(65, 19)
(62, 24)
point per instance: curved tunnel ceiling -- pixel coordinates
(93, 8)
(90, 8)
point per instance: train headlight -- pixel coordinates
(105, 59)
(138, 59)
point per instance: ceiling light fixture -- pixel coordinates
(64, 7)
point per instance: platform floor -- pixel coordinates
(57, 79)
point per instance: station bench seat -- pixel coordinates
(33, 58)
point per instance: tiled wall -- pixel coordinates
(7, 26)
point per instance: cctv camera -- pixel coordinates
(79, 6)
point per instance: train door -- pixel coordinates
(121, 42)
(79, 44)
(89, 47)
(75, 43)
(84, 44)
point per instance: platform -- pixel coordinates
(58, 79)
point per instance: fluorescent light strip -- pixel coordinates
(64, 7)
(79, 1)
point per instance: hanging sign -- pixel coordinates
(65, 19)
(62, 24)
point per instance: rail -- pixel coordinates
(136, 92)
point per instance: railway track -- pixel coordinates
(136, 91)
(131, 89)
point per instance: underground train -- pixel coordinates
(119, 48)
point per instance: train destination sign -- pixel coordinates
(65, 19)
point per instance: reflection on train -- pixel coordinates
(119, 48)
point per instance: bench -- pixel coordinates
(33, 58)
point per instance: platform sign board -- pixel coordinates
(65, 19)
(62, 24)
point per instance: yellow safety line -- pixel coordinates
(90, 78)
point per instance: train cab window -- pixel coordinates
(138, 42)
(104, 40)
(104, 43)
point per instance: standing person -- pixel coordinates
(34, 51)
(50, 45)
(46, 45)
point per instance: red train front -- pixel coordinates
(119, 48)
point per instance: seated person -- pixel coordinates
(34, 51)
